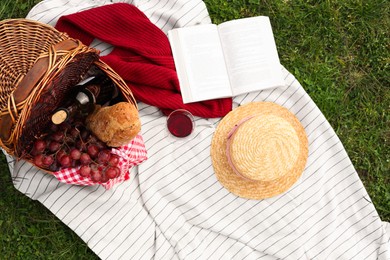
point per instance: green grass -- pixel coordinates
(339, 52)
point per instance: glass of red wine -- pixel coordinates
(180, 123)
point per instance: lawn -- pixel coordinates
(339, 52)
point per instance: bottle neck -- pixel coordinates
(85, 97)
(94, 90)
(84, 104)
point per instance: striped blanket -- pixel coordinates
(173, 207)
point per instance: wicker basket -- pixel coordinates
(38, 68)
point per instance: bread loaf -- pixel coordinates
(115, 125)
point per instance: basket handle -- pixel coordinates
(26, 85)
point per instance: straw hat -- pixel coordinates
(259, 150)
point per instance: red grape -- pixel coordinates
(75, 154)
(34, 152)
(38, 160)
(85, 158)
(47, 160)
(65, 161)
(118, 171)
(85, 171)
(57, 136)
(39, 145)
(54, 146)
(114, 160)
(71, 144)
(111, 172)
(96, 175)
(105, 178)
(104, 156)
(100, 145)
(92, 150)
(59, 154)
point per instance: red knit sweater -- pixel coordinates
(142, 56)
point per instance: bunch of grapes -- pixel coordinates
(71, 145)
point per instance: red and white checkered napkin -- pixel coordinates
(130, 155)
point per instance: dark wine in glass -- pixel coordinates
(180, 123)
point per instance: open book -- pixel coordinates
(225, 60)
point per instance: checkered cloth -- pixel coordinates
(130, 155)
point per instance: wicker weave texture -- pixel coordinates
(21, 43)
(38, 68)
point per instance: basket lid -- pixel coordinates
(38, 67)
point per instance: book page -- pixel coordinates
(250, 54)
(200, 63)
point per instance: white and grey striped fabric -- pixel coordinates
(174, 208)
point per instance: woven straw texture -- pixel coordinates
(259, 150)
(38, 68)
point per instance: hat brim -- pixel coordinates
(247, 188)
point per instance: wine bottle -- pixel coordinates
(91, 91)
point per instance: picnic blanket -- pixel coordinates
(173, 207)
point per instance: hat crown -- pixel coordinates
(263, 148)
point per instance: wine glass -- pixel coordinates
(180, 123)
